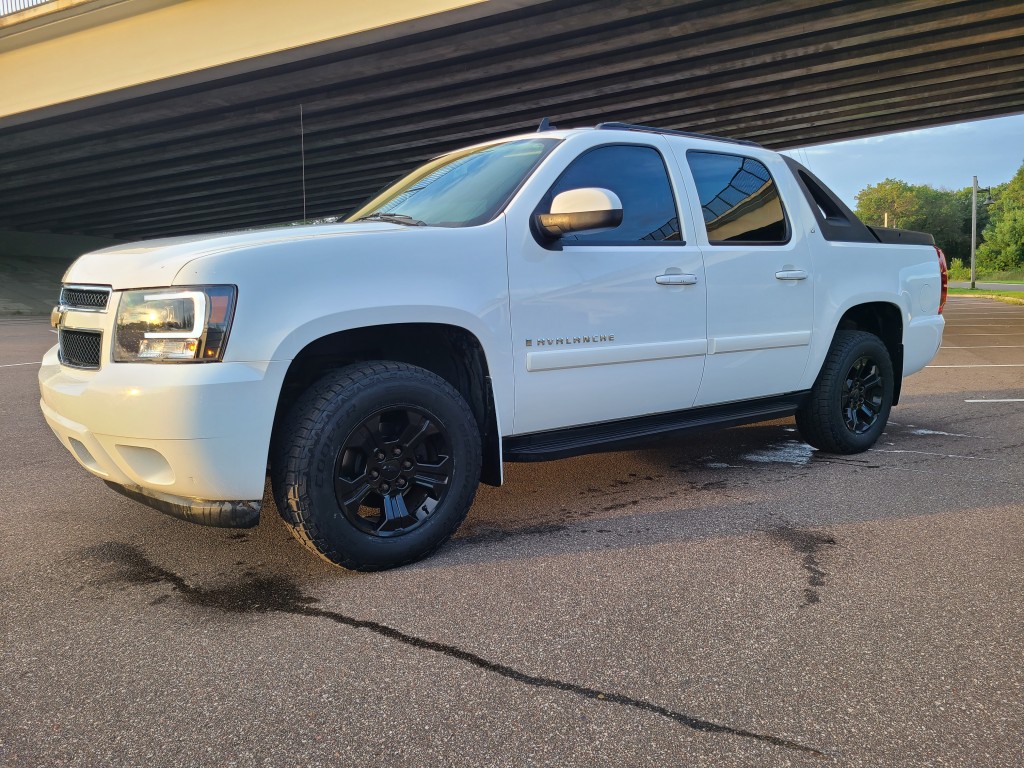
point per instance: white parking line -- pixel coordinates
(988, 346)
(929, 453)
(947, 434)
(980, 365)
(1002, 400)
(15, 365)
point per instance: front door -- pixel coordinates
(606, 324)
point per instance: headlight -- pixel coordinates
(174, 324)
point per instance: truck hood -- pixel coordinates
(154, 263)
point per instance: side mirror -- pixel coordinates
(578, 209)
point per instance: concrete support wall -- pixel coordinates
(96, 47)
(32, 265)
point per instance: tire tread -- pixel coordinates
(307, 417)
(816, 418)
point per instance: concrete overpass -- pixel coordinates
(142, 118)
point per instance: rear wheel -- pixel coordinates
(849, 405)
(376, 465)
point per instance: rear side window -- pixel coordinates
(739, 199)
(638, 176)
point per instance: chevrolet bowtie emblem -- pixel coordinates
(57, 317)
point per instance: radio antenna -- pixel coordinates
(302, 151)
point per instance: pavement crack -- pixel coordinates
(809, 544)
(278, 594)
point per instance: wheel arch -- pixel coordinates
(450, 351)
(884, 320)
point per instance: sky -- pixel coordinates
(946, 156)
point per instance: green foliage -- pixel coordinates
(1003, 246)
(943, 213)
(946, 214)
(958, 271)
(893, 197)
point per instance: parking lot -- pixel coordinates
(734, 599)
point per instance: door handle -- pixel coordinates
(676, 279)
(791, 274)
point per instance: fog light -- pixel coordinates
(168, 349)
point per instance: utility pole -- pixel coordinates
(974, 226)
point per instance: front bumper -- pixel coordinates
(174, 433)
(217, 514)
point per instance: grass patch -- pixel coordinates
(960, 271)
(1010, 297)
(1016, 276)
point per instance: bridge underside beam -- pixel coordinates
(221, 149)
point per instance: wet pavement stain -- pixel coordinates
(263, 594)
(260, 594)
(809, 544)
(793, 452)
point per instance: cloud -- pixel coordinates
(943, 156)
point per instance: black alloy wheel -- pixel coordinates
(393, 470)
(848, 407)
(863, 394)
(376, 465)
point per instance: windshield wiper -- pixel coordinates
(394, 218)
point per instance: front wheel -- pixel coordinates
(376, 465)
(848, 407)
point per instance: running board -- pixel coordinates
(613, 435)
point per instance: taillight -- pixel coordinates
(943, 278)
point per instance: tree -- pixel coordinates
(947, 216)
(1003, 248)
(944, 213)
(893, 197)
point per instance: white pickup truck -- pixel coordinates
(531, 298)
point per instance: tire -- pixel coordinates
(849, 404)
(376, 465)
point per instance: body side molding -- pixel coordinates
(722, 344)
(548, 360)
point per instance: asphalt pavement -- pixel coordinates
(735, 599)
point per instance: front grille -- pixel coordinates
(80, 349)
(81, 297)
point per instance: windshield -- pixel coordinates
(461, 189)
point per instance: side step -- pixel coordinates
(614, 435)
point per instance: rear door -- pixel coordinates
(759, 274)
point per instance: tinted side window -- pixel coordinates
(638, 176)
(738, 198)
